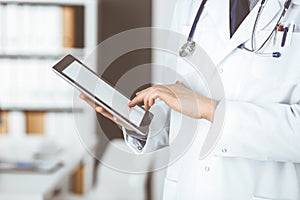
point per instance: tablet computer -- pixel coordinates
(101, 92)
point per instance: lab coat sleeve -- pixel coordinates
(262, 131)
(158, 135)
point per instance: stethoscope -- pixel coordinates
(189, 47)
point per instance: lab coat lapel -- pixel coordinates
(219, 11)
(242, 34)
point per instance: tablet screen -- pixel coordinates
(104, 92)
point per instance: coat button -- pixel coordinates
(221, 71)
(207, 168)
(139, 148)
(224, 150)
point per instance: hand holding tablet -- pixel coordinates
(103, 97)
(103, 112)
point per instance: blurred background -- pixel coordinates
(41, 156)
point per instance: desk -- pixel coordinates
(33, 186)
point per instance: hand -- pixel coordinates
(179, 98)
(103, 112)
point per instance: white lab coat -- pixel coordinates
(258, 153)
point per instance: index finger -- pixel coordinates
(136, 100)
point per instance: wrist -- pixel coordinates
(209, 106)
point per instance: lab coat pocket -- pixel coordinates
(278, 72)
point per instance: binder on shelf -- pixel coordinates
(11, 29)
(4, 122)
(16, 124)
(69, 27)
(77, 180)
(35, 122)
(36, 81)
(6, 79)
(21, 81)
(11, 90)
(73, 23)
(55, 36)
(1, 25)
(56, 127)
(51, 125)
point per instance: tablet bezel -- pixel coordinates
(141, 132)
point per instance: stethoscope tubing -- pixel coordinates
(199, 13)
(191, 45)
(286, 7)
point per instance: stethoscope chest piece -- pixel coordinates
(187, 49)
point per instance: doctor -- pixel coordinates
(258, 153)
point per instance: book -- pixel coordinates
(30, 166)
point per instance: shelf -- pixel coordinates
(41, 106)
(42, 54)
(43, 109)
(48, 2)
